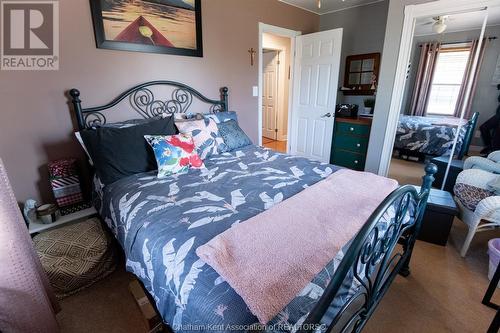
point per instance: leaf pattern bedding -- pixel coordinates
(428, 135)
(160, 223)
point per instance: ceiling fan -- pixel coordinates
(318, 3)
(439, 23)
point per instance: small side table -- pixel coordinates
(455, 168)
(81, 215)
(495, 324)
(438, 217)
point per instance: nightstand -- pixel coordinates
(438, 217)
(75, 217)
(455, 168)
(350, 142)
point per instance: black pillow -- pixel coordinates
(121, 152)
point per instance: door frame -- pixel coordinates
(277, 104)
(283, 32)
(411, 14)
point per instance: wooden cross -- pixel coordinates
(252, 55)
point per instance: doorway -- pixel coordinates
(312, 78)
(276, 68)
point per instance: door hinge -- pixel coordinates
(276, 130)
(278, 62)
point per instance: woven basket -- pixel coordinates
(76, 256)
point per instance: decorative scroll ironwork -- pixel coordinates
(94, 119)
(143, 101)
(373, 260)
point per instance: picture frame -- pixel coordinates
(144, 26)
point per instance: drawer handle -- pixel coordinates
(352, 129)
(358, 145)
(356, 162)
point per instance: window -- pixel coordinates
(447, 81)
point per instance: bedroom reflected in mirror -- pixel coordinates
(449, 92)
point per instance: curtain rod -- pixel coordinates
(467, 41)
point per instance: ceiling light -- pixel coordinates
(319, 4)
(439, 27)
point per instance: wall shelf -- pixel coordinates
(36, 227)
(358, 92)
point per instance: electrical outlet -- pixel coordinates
(477, 134)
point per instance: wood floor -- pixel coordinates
(274, 144)
(442, 294)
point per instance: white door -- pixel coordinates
(269, 94)
(315, 87)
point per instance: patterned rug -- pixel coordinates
(76, 256)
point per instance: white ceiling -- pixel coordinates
(328, 6)
(460, 22)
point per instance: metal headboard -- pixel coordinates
(143, 101)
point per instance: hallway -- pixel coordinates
(274, 144)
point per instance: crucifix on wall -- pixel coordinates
(252, 55)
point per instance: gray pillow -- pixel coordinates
(233, 135)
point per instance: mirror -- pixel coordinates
(442, 95)
(361, 74)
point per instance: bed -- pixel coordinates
(160, 222)
(433, 136)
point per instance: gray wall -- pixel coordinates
(388, 67)
(485, 99)
(364, 29)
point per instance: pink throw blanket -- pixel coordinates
(271, 257)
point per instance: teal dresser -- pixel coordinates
(350, 142)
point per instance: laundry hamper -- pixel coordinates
(76, 256)
(494, 253)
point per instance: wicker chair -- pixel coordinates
(487, 210)
(490, 163)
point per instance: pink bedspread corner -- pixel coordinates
(271, 257)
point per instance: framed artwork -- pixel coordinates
(156, 26)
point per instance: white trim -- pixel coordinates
(331, 11)
(284, 33)
(411, 14)
(352, 7)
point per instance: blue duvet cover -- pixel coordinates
(160, 223)
(429, 135)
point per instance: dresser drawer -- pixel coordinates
(348, 159)
(353, 129)
(351, 143)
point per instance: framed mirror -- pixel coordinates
(361, 74)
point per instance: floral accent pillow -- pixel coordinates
(174, 153)
(206, 136)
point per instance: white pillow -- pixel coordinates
(80, 140)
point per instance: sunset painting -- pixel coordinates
(160, 26)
